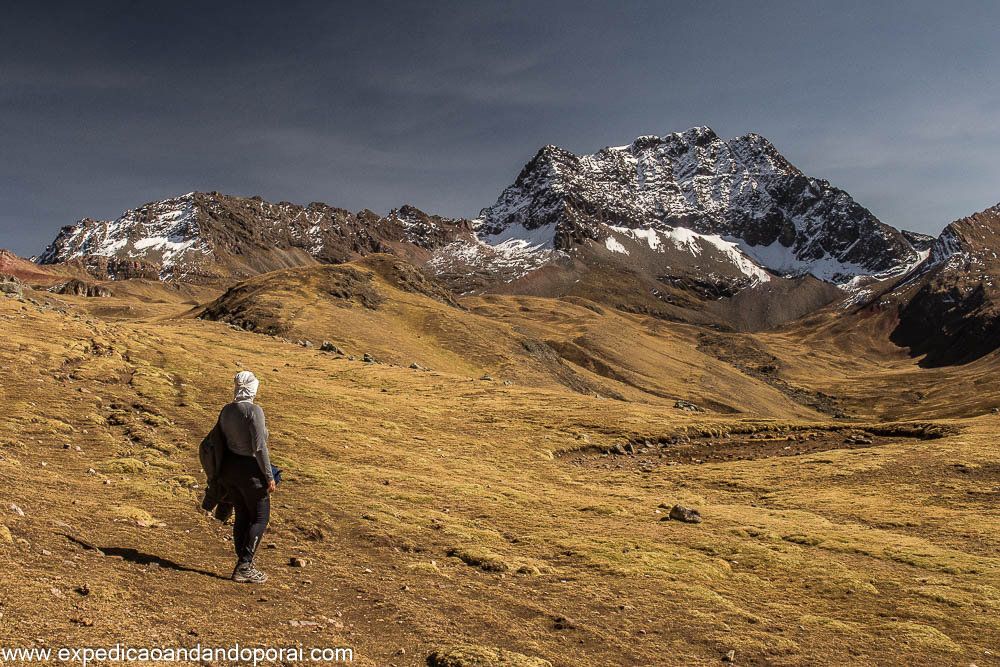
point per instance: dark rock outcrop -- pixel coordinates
(81, 288)
(949, 311)
(11, 286)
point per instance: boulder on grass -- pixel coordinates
(685, 514)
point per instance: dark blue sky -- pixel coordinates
(105, 106)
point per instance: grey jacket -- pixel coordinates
(243, 427)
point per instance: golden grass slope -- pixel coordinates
(848, 354)
(383, 307)
(437, 512)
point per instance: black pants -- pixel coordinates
(247, 487)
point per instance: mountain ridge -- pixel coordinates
(206, 236)
(673, 226)
(741, 190)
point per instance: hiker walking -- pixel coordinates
(246, 475)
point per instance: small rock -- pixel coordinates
(486, 378)
(416, 367)
(730, 656)
(5, 536)
(564, 623)
(297, 562)
(507, 383)
(687, 406)
(82, 620)
(107, 482)
(46, 552)
(66, 445)
(56, 592)
(352, 358)
(83, 589)
(327, 346)
(91, 471)
(685, 514)
(16, 510)
(367, 570)
(369, 359)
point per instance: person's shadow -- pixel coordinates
(140, 558)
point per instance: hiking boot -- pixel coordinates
(247, 573)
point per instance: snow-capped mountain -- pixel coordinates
(741, 191)
(208, 236)
(684, 209)
(683, 227)
(164, 233)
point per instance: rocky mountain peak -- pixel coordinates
(974, 239)
(743, 190)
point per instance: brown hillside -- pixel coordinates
(436, 510)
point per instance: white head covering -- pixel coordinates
(246, 386)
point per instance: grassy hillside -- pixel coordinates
(384, 307)
(436, 510)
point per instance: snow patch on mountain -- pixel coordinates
(612, 244)
(686, 240)
(519, 237)
(732, 250)
(508, 258)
